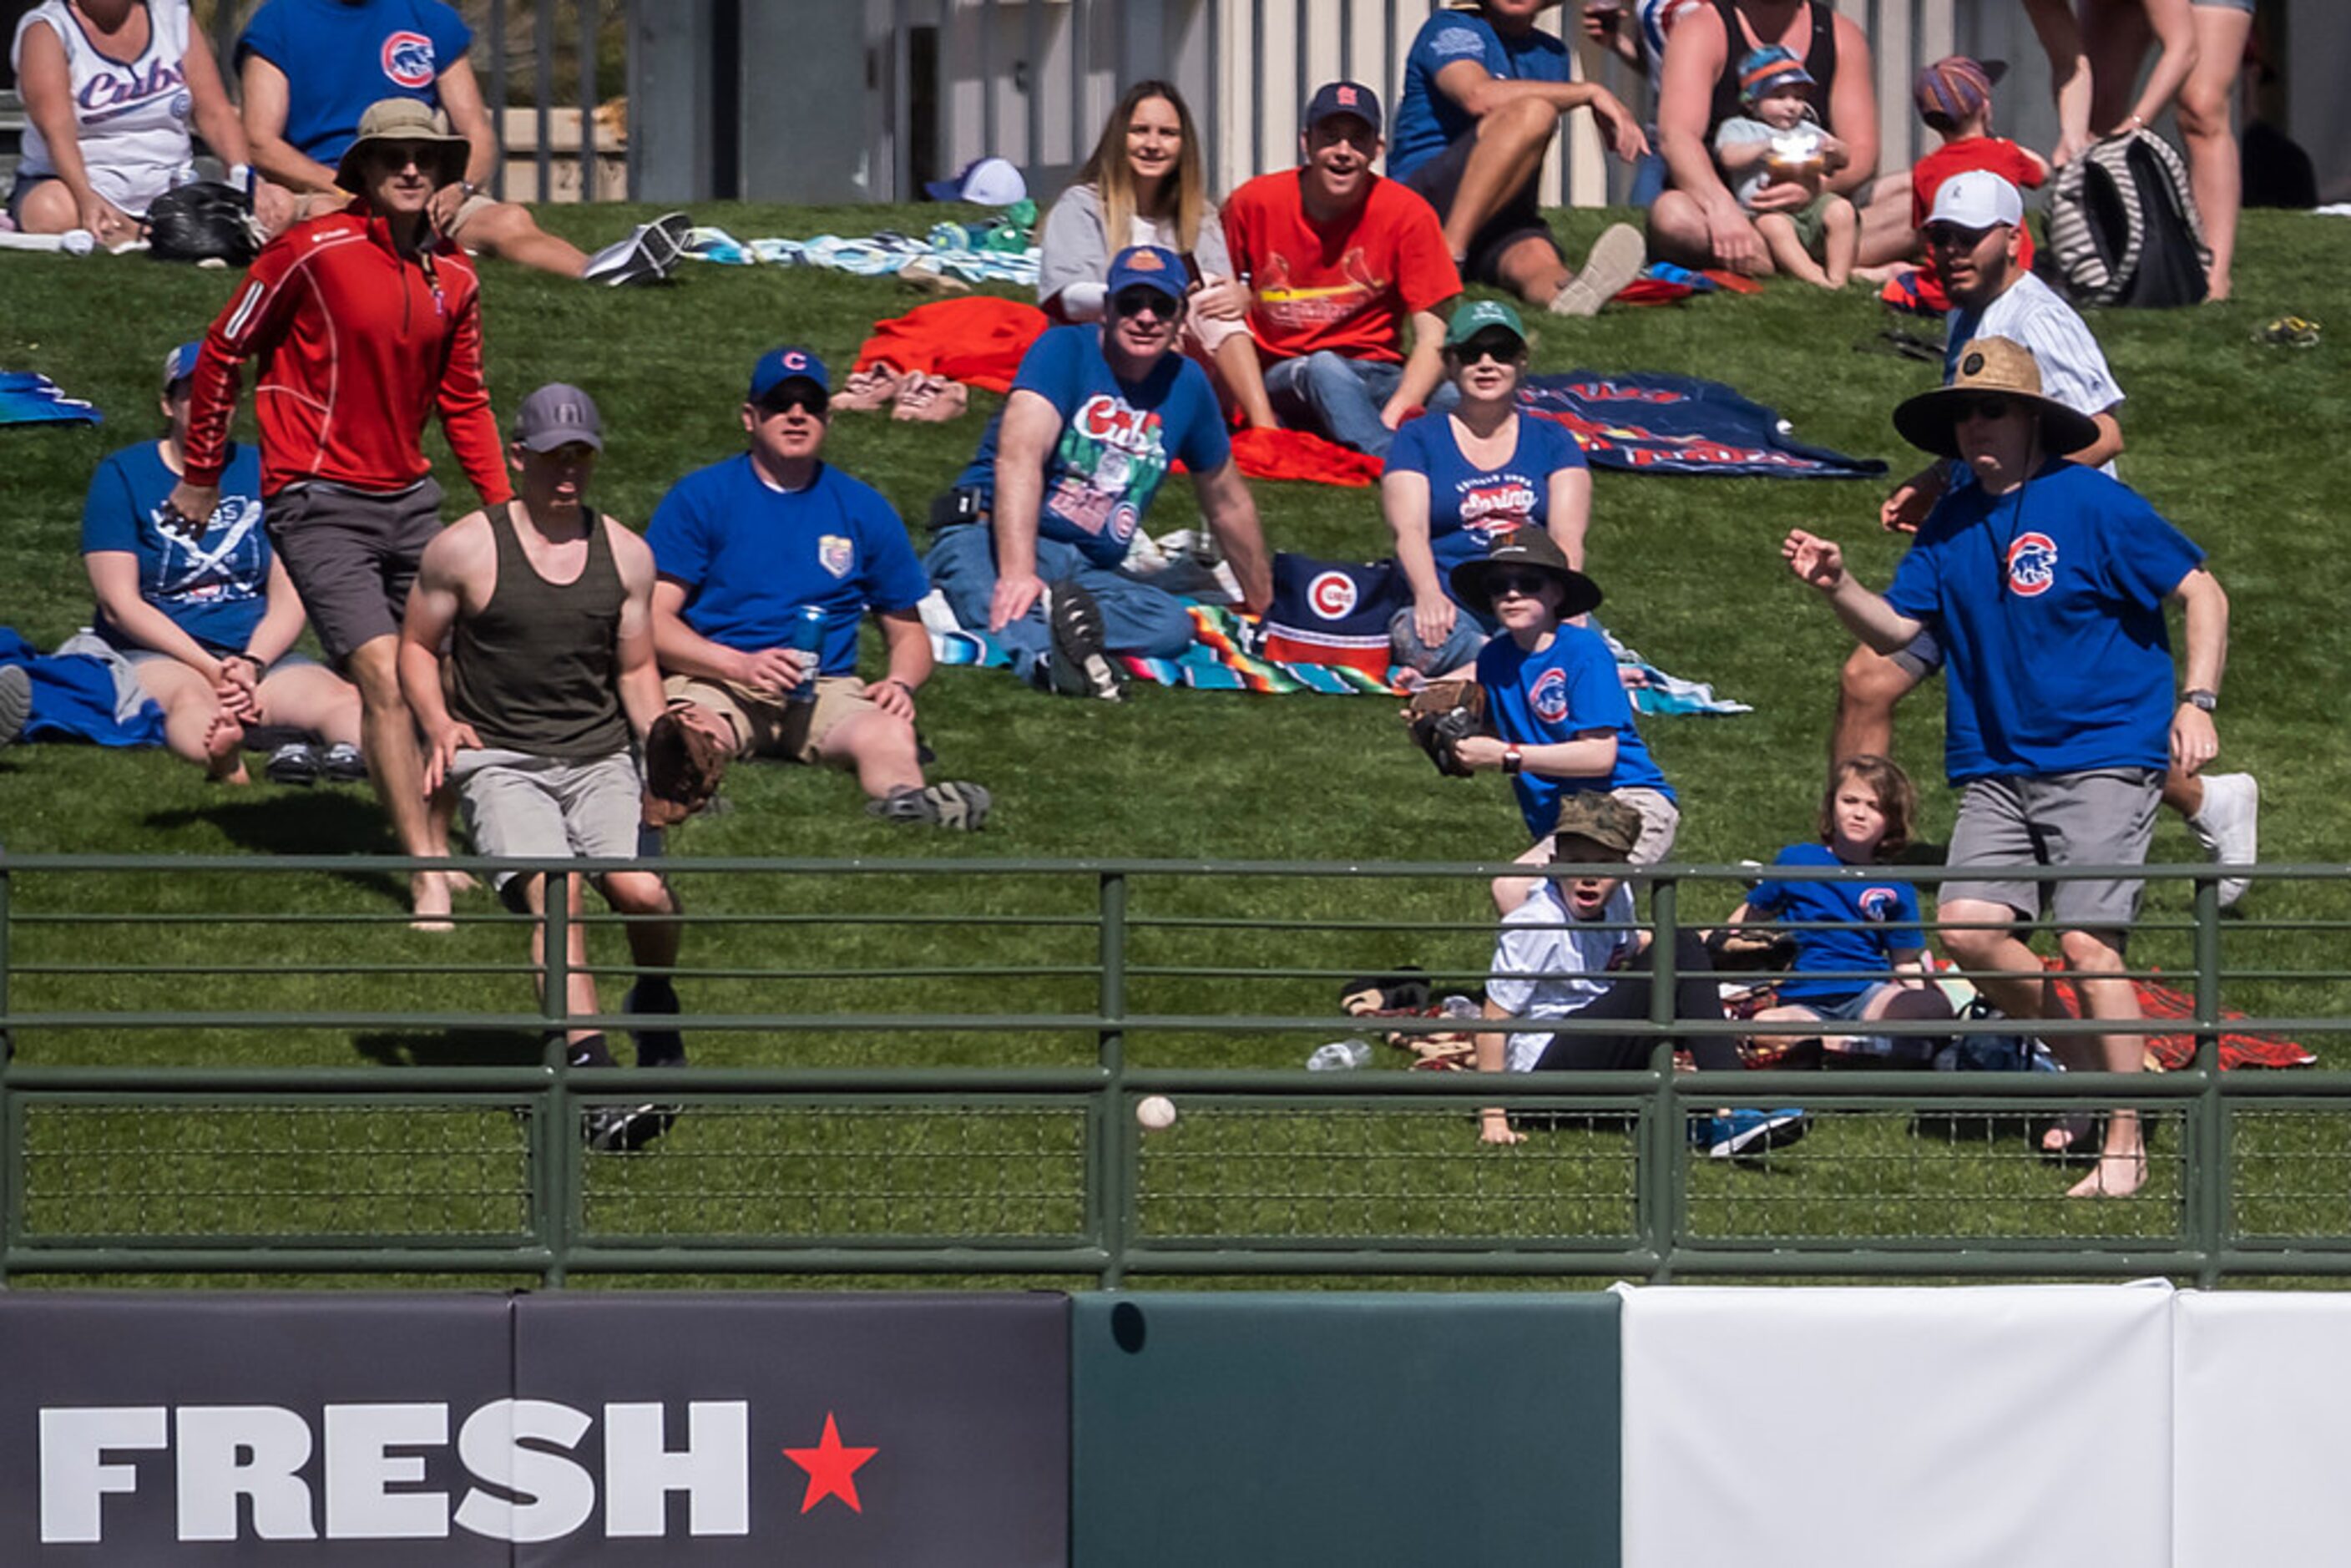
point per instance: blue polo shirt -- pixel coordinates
(2049, 602)
(751, 555)
(338, 58)
(1117, 441)
(1883, 913)
(1572, 687)
(1426, 120)
(1469, 507)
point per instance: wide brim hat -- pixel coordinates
(405, 120)
(1988, 366)
(1523, 549)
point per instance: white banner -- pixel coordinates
(2022, 1425)
(2263, 1392)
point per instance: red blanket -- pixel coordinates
(977, 339)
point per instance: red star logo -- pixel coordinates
(831, 1467)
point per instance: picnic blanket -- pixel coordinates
(74, 699)
(978, 339)
(880, 255)
(27, 398)
(2170, 1052)
(1222, 659)
(1648, 421)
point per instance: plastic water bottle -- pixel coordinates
(1456, 1005)
(1339, 1056)
(807, 642)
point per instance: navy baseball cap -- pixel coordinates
(777, 366)
(1148, 266)
(180, 364)
(1345, 98)
(557, 415)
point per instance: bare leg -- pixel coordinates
(195, 727)
(389, 740)
(1868, 688)
(880, 750)
(1510, 144)
(2068, 74)
(1242, 378)
(2115, 35)
(312, 697)
(1780, 1043)
(1788, 252)
(1884, 211)
(1678, 234)
(1840, 243)
(507, 231)
(1532, 270)
(2214, 175)
(48, 209)
(579, 985)
(2107, 996)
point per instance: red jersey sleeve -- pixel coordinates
(252, 322)
(465, 402)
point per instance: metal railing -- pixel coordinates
(173, 1106)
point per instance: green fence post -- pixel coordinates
(7, 1104)
(554, 1186)
(1660, 1197)
(2209, 1177)
(1115, 1149)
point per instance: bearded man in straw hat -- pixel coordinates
(361, 323)
(2046, 582)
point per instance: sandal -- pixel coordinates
(871, 388)
(931, 400)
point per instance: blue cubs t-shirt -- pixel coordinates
(214, 588)
(751, 555)
(1426, 120)
(338, 58)
(1537, 699)
(1469, 506)
(1883, 914)
(2049, 602)
(1117, 439)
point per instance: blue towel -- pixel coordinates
(29, 399)
(73, 698)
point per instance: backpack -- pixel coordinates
(2123, 229)
(201, 221)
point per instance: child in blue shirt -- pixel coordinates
(1848, 933)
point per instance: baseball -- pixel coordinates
(1156, 1113)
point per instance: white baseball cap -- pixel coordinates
(1977, 199)
(990, 182)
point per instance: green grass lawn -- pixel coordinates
(2232, 440)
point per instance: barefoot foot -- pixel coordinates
(429, 895)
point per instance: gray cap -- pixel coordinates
(556, 415)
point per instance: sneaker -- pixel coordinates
(16, 702)
(955, 805)
(1079, 666)
(625, 1129)
(1616, 259)
(1743, 1134)
(646, 257)
(292, 763)
(342, 764)
(655, 1047)
(2229, 827)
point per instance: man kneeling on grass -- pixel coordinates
(1569, 951)
(545, 608)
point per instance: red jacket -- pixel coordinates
(356, 345)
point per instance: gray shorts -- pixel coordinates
(547, 808)
(353, 556)
(2103, 817)
(122, 668)
(1661, 820)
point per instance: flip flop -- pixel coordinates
(931, 400)
(871, 388)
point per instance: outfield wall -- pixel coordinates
(2128, 1426)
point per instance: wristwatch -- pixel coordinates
(1513, 759)
(2203, 697)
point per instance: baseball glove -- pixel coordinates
(683, 765)
(1440, 715)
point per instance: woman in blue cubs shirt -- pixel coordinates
(203, 624)
(1460, 479)
(1866, 928)
(1561, 719)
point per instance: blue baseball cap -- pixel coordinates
(1148, 266)
(777, 366)
(180, 364)
(1770, 70)
(1345, 98)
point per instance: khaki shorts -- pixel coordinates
(472, 207)
(766, 728)
(520, 806)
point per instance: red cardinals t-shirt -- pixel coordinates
(1997, 153)
(1349, 285)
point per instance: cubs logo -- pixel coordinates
(2032, 565)
(408, 61)
(1877, 903)
(1332, 595)
(1123, 521)
(836, 554)
(1549, 696)
(1116, 424)
(794, 361)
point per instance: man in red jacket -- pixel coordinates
(362, 322)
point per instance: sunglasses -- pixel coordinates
(793, 395)
(398, 155)
(1950, 236)
(1500, 348)
(1140, 300)
(1524, 585)
(1989, 405)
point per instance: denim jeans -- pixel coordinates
(1341, 398)
(1137, 618)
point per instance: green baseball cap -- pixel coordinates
(1481, 315)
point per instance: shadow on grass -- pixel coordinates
(451, 1047)
(317, 822)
